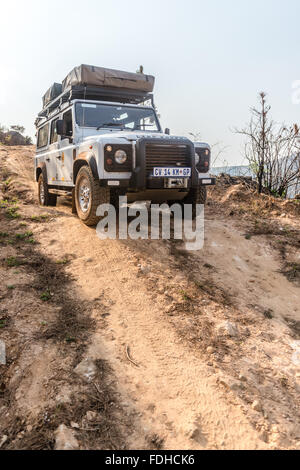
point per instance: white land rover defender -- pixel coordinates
(99, 137)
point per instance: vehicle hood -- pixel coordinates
(128, 136)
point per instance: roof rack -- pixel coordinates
(96, 94)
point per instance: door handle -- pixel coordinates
(47, 159)
(59, 157)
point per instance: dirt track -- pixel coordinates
(155, 316)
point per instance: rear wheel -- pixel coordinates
(89, 195)
(45, 198)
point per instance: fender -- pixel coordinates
(85, 158)
(41, 168)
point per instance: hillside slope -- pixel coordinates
(142, 344)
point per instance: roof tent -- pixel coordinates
(89, 75)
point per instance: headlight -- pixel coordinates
(120, 156)
(197, 158)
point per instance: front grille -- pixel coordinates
(169, 156)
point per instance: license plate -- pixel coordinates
(172, 172)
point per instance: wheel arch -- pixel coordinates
(85, 159)
(41, 169)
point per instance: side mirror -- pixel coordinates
(61, 127)
(167, 131)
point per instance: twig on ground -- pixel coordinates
(129, 358)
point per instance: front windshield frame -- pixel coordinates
(124, 107)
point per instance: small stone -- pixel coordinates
(210, 350)
(242, 378)
(229, 383)
(257, 406)
(194, 433)
(145, 270)
(2, 353)
(86, 369)
(170, 310)
(264, 437)
(74, 425)
(65, 439)
(29, 428)
(92, 416)
(3, 440)
(228, 328)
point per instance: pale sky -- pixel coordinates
(210, 58)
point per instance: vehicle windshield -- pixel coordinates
(102, 116)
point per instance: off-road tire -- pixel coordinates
(98, 195)
(196, 197)
(47, 199)
(114, 197)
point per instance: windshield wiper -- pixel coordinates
(110, 124)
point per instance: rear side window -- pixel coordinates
(53, 135)
(43, 133)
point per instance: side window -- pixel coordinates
(67, 117)
(43, 133)
(53, 135)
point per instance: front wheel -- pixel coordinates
(89, 195)
(196, 196)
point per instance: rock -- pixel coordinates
(74, 425)
(193, 433)
(145, 270)
(2, 353)
(242, 378)
(92, 416)
(29, 428)
(86, 369)
(257, 406)
(228, 328)
(170, 310)
(3, 440)
(210, 350)
(264, 437)
(65, 439)
(230, 383)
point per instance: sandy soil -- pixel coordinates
(186, 350)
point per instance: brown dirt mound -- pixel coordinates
(238, 195)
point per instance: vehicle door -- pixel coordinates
(44, 154)
(53, 152)
(64, 161)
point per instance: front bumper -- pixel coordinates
(154, 183)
